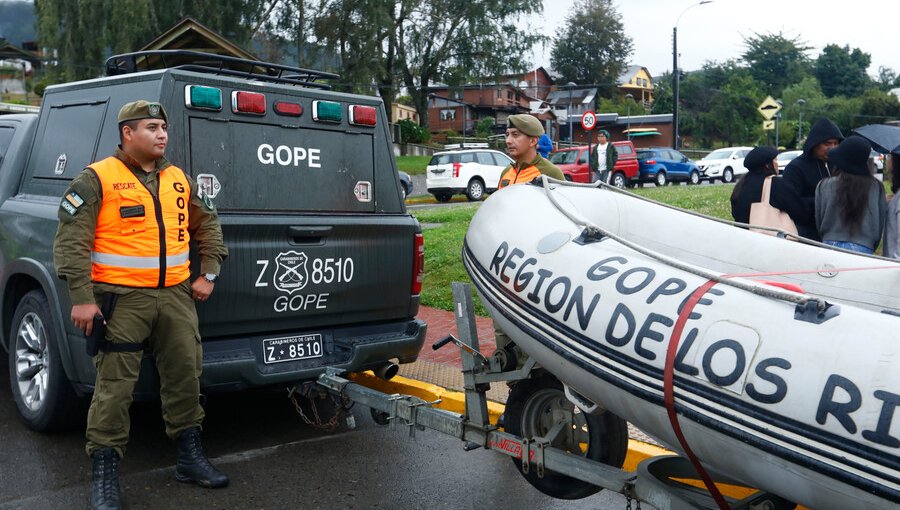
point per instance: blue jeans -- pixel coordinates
(851, 246)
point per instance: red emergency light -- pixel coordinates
(252, 103)
(363, 115)
(289, 109)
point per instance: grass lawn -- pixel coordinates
(445, 227)
(413, 165)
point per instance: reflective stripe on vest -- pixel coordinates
(141, 240)
(524, 175)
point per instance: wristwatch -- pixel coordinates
(211, 278)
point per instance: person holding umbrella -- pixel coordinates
(891, 246)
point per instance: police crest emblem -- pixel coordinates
(153, 109)
(291, 274)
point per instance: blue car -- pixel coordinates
(662, 166)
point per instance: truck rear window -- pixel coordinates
(254, 166)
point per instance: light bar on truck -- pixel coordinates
(327, 111)
(202, 98)
(289, 109)
(363, 115)
(252, 103)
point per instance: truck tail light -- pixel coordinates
(418, 264)
(248, 102)
(363, 115)
(456, 169)
(290, 109)
(202, 98)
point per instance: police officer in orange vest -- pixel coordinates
(122, 247)
(522, 134)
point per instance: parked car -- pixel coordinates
(574, 164)
(725, 163)
(878, 160)
(786, 157)
(470, 171)
(406, 184)
(661, 165)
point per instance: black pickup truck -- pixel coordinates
(325, 264)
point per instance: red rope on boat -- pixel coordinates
(669, 391)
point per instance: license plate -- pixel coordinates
(292, 348)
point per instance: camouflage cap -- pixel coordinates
(142, 109)
(525, 123)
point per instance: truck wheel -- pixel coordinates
(40, 388)
(619, 180)
(532, 410)
(475, 190)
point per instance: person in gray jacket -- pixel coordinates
(851, 208)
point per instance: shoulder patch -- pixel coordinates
(71, 203)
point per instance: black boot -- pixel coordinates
(105, 484)
(193, 466)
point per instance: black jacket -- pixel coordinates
(749, 191)
(804, 173)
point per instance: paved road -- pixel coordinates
(275, 461)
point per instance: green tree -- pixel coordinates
(842, 71)
(719, 105)
(887, 78)
(776, 61)
(593, 46)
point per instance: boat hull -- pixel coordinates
(779, 400)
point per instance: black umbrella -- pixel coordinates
(887, 138)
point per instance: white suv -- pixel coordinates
(470, 171)
(724, 164)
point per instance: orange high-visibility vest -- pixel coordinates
(141, 240)
(522, 176)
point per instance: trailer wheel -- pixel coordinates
(535, 405)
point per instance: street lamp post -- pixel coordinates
(800, 103)
(675, 74)
(628, 99)
(571, 86)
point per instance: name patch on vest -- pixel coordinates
(134, 211)
(118, 186)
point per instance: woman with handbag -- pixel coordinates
(761, 198)
(851, 208)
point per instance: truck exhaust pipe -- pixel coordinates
(387, 371)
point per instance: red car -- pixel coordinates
(574, 163)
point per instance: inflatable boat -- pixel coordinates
(772, 361)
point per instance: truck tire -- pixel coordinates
(618, 180)
(43, 394)
(603, 437)
(443, 197)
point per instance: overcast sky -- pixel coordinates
(716, 31)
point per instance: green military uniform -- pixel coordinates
(165, 317)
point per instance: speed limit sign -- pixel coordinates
(588, 120)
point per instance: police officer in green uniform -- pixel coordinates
(522, 134)
(121, 247)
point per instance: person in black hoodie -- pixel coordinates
(806, 170)
(760, 163)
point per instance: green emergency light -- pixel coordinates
(203, 98)
(327, 111)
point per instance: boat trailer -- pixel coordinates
(659, 481)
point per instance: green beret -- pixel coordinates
(525, 123)
(137, 110)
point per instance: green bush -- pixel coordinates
(410, 132)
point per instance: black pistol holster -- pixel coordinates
(96, 341)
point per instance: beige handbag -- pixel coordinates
(764, 215)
